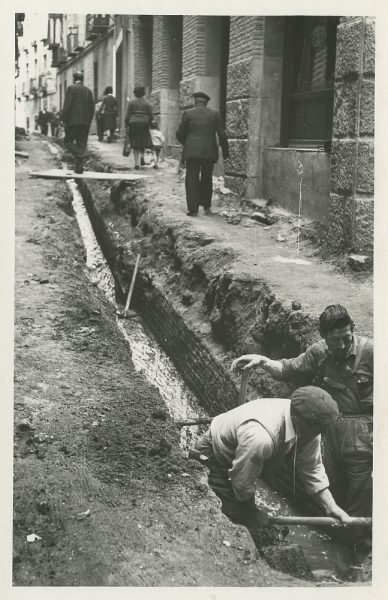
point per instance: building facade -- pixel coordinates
(35, 82)
(296, 95)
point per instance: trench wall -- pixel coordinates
(240, 313)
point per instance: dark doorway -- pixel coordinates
(224, 60)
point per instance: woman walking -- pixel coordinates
(137, 121)
(109, 112)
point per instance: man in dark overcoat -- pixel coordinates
(77, 115)
(198, 133)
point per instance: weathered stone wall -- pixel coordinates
(352, 170)
(253, 99)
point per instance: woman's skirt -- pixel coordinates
(110, 120)
(139, 136)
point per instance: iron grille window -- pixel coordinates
(309, 66)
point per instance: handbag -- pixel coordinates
(127, 144)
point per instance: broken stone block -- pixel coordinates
(360, 262)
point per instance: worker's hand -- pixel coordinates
(248, 361)
(340, 514)
(260, 519)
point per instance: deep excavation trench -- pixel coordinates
(195, 381)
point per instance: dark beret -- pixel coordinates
(201, 95)
(314, 405)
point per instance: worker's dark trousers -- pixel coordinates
(76, 139)
(242, 513)
(199, 184)
(351, 445)
(44, 128)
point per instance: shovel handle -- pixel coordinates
(359, 521)
(243, 387)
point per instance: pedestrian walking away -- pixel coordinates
(54, 122)
(109, 111)
(342, 364)
(198, 133)
(138, 120)
(158, 140)
(44, 118)
(77, 115)
(261, 436)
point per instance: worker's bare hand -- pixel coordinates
(340, 514)
(260, 519)
(248, 361)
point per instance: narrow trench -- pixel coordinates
(327, 558)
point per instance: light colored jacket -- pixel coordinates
(257, 436)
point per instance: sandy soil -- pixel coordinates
(98, 472)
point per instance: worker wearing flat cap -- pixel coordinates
(198, 131)
(258, 437)
(77, 115)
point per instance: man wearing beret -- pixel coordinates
(77, 115)
(258, 437)
(342, 364)
(198, 133)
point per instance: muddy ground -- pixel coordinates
(98, 472)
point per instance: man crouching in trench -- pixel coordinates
(256, 437)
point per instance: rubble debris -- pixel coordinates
(81, 516)
(267, 219)
(359, 262)
(32, 537)
(25, 425)
(295, 261)
(226, 543)
(296, 305)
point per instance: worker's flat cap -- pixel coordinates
(314, 405)
(201, 95)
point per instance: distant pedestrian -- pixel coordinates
(44, 119)
(197, 132)
(138, 120)
(77, 115)
(54, 122)
(99, 121)
(109, 112)
(158, 140)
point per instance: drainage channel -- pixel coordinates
(327, 558)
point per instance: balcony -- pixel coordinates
(96, 25)
(74, 44)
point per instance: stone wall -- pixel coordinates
(352, 172)
(253, 99)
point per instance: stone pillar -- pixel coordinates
(166, 73)
(201, 59)
(352, 167)
(253, 99)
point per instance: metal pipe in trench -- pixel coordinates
(312, 521)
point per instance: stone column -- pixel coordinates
(253, 99)
(352, 168)
(166, 73)
(201, 59)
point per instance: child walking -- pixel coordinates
(158, 140)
